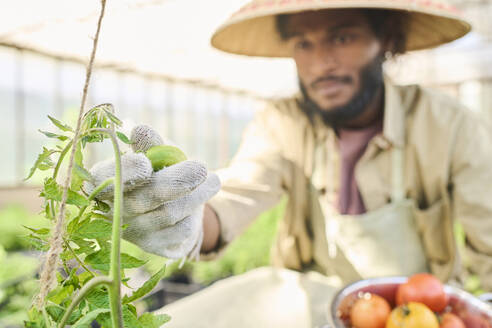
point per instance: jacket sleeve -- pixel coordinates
(471, 177)
(254, 180)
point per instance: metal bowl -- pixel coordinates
(465, 305)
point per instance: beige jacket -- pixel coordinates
(448, 173)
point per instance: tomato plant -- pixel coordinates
(423, 288)
(412, 315)
(370, 311)
(84, 238)
(89, 281)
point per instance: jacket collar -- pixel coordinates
(394, 114)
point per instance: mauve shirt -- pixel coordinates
(352, 143)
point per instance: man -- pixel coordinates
(375, 174)
(339, 147)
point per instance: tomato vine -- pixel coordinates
(84, 267)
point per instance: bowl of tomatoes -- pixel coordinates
(419, 301)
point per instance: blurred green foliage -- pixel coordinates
(13, 218)
(17, 266)
(17, 286)
(248, 251)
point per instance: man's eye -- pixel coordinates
(302, 45)
(342, 39)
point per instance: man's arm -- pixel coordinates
(471, 174)
(253, 182)
(211, 229)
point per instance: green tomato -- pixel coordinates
(164, 156)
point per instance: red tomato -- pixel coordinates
(370, 311)
(423, 288)
(450, 320)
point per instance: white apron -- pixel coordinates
(384, 242)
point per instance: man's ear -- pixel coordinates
(389, 38)
(395, 36)
(388, 46)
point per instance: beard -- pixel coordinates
(371, 77)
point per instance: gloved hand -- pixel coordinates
(164, 209)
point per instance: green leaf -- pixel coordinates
(53, 191)
(146, 287)
(66, 255)
(59, 277)
(60, 294)
(47, 210)
(37, 243)
(104, 320)
(72, 225)
(123, 137)
(102, 206)
(43, 162)
(92, 137)
(113, 118)
(35, 318)
(150, 320)
(56, 312)
(72, 279)
(128, 261)
(132, 308)
(86, 320)
(82, 173)
(54, 135)
(78, 174)
(84, 277)
(84, 246)
(60, 125)
(95, 229)
(98, 298)
(42, 231)
(130, 319)
(76, 199)
(124, 281)
(100, 260)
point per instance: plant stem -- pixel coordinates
(55, 173)
(99, 188)
(83, 291)
(114, 269)
(60, 159)
(94, 193)
(77, 258)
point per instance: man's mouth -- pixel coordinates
(330, 86)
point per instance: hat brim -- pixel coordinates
(252, 30)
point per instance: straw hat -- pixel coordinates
(251, 30)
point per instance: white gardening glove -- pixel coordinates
(164, 209)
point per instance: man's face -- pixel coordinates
(331, 49)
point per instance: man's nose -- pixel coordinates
(324, 59)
